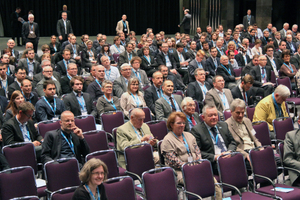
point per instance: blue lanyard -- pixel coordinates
(130, 56)
(137, 100)
(138, 135)
(263, 74)
(245, 58)
(74, 48)
(55, 48)
(107, 55)
(138, 75)
(212, 136)
(161, 94)
(124, 24)
(111, 102)
(290, 67)
(65, 64)
(26, 97)
(190, 121)
(27, 135)
(13, 52)
(228, 70)
(276, 105)
(107, 76)
(28, 64)
(219, 51)
(98, 83)
(88, 188)
(199, 64)
(53, 110)
(91, 53)
(4, 87)
(223, 100)
(170, 102)
(81, 105)
(123, 43)
(185, 143)
(117, 48)
(203, 88)
(69, 77)
(8, 70)
(70, 143)
(149, 61)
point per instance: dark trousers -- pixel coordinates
(16, 33)
(185, 75)
(35, 43)
(186, 31)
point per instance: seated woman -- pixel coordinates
(107, 102)
(179, 147)
(92, 176)
(231, 46)
(288, 69)
(133, 98)
(256, 50)
(106, 52)
(142, 42)
(148, 64)
(12, 108)
(88, 56)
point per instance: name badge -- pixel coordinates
(125, 29)
(56, 117)
(217, 151)
(190, 159)
(31, 32)
(84, 113)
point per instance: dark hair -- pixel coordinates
(20, 68)
(48, 82)
(79, 78)
(285, 52)
(248, 79)
(268, 46)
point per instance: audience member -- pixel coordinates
(121, 83)
(116, 48)
(29, 95)
(154, 92)
(245, 91)
(63, 27)
(20, 75)
(30, 64)
(226, 71)
(5, 79)
(13, 105)
(111, 72)
(288, 69)
(149, 63)
(31, 32)
(92, 76)
(126, 56)
(139, 73)
(188, 108)
(65, 80)
(95, 88)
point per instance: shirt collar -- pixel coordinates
(76, 94)
(20, 124)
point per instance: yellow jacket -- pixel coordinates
(265, 111)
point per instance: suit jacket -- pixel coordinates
(185, 23)
(151, 97)
(38, 77)
(163, 108)
(89, 80)
(94, 90)
(65, 85)
(61, 68)
(60, 28)
(288, 46)
(9, 79)
(194, 91)
(295, 60)
(197, 120)
(250, 95)
(234, 130)
(69, 46)
(126, 136)
(240, 60)
(120, 26)
(247, 69)
(25, 30)
(205, 142)
(256, 73)
(124, 57)
(51, 147)
(197, 37)
(40, 88)
(57, 46)
(212, 98)
(191, 54)
(12, 133)
(283, 34)
(193, 66)
(210, 66)
(44, 112)
(143, 76)
(145, 65)
(161, 60)
(224, 73)
(96, 44)
(36, 66)
(176, 58)
(12, 87)
(276, 63)
(245, 21)
(85, 57)
(71, 103)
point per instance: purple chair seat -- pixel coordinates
(249, 195)
(294, 99)
(289, 195)
(122, 171)
(41, 191)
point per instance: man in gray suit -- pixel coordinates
(218, 96)
(168, 103)
(127, 55)
(30, 32)
(31, 65)
(192, 118)
(63, 28)
(283, 30)
(120, 84)
(139, 73)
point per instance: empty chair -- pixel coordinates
(97, 140)
(158, 129)
(262, 132)
(227, 114)
(85, 122)
(265, 171)
(49, 125)
(20, 182)
(281, 126)
(160, 183)
(120, 188)
(63, 194)
(250, 112)
(111, 120)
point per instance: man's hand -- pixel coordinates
(185, 63)
(145, 138)
(36, 143)
(78, 132)
(77, 58)
(153, 141)
(60, 37)
(237, 78)
(178, 25)
(174, 71)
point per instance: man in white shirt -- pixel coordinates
(111, 73)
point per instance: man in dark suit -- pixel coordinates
(27, 92)
(20, 74)
(16, 25)
(78, 102)
(95, 88)
(31, 32)
(213, 137)
(271, 60)
(200, 41)
(55, 48)
(5, 79)
(242, 58)
(284, 30)
(198, 89)
(282, 46)
(185, 23)
(220, 48)
(65, 9)
(181, 62)
(191, 53)
(164, 57)
(154, 92)
(295, 60)
(262, 76)
(30, 64)
(63, 27)
(244, 90)
(61, 66)
(65, 80)
(188, 108)
(226, 71)
(57, 143)
(10, 45)
(212, 62)
(198, 62)
(248, 19)
(38, 77)
(250, 65)
(126, 56)
(290, 44)
(21, 128)
(178, 84)
(198, 34)
(168, 102)
(74, 50)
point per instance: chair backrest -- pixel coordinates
(263, 163)
(233, 170)
(285, 81)
(161, 157)
(158, 129)
(109, 157)
(97, 140)
(114, 133)
(111, 120)
(49, 125)
(160, 183)
(281, 151)
(143, 154)
(27, 198)
(18, 183)
(120, 188)
(281, 126)
(262, 132)
(250, 112)
(238, 71)
(61, 173)
(178, 92)
(62, 194)
(20, 154)
(197, 109)
(227, 114)
(147, 111)
(198, 178)
(273, 77)
(116, 57)
(85, 122)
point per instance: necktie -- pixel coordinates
(215, 62)
(244, 95)
(263, 75)
(158, 93)
(218, 143)
(172, 105)
(193, 120)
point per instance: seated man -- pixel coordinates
(61, 66)
(49, 107)
(20, 75)
(27, 92)
(188, 107)
(181, 62)
(5, 80)
(47, 75)
(138, 72)
(218, 96)
(65, 80)
(95, 88)
(134, 131)
(111, 72)
(198, 62)
(168, 102)
(198, 89)
(178, 84)
(272, 107)
(21, 128)
(226, 71)
(247, 69)
(38, 77)
(244, 90)
(127, 55)
(66, 142)
(31, 65)
(74, 50)
(78, 102)
(213, 137)
(92, 75)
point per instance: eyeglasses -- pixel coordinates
(29, 116)
(98, 173)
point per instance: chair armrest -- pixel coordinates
(231, 186)
(134, 176)
(268, 179)
(292, 169)
(192, 194)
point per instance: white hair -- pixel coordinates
(124, 65)
(282, 91)
(30, 15)
(185, 102)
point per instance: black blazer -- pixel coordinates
(57, 45)
(12, 87)
(60, 28)
(193, 66)
(185, 23)
(256, 73)
(276, 63)
(288, 46)
(160, 58)
(60, 68)
(190, 54)
(72, 104)
(145, 65)
(210, 66)
(250, 95)
(34, 98)
(51, 146)
(194, 91)
(205, 142)
(150, 98)
(25, 30)
(197, 120)
(240, 60)
(65, 85)
(12, 133)
(224, 73)
(247, 69)
(85, 57)
(245, 21)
